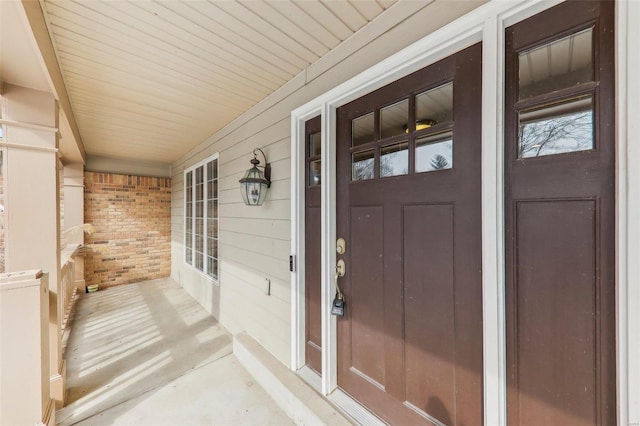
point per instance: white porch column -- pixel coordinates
(74, 214)
(24, 350)
(32, 221)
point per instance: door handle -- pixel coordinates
(340, 270)
(337, 307)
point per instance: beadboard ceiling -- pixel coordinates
(149, 80)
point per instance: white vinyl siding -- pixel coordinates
(255, 242)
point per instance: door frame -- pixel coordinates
(487, 23)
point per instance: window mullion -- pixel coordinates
(205, 217)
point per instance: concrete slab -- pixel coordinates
(219, 393)
(148, 354)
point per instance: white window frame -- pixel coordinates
(215, 276)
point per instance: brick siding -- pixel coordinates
(132, 217)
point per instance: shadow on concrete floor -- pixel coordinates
(148, 354)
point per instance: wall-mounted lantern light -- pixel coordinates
(255, 182)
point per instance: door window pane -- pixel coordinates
(314, 173)
(314, 163)
(394, 159)
(394, 119)
(314, 145)
(362, 165)
(557, 65)
(362, 128)
(434, 153)
(556, 128)
(434, 106)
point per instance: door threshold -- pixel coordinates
(354, 409)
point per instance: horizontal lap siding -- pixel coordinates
(255, 241)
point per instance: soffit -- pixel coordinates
(19, 60)
(149, 80)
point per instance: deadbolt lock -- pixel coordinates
(341, 246)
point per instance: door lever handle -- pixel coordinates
(337, 307)
(340, 270)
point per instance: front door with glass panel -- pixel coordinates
(559, 216)
(408, 207)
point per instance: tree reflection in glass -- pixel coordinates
(556, 129)
(434, 152)
(362, 166)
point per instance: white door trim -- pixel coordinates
(486, 23)
(298, 236)
(628, 211)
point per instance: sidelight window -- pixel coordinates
(314, 159)
(557, 65)
(556, 90)
(557, 128)
(201, 217)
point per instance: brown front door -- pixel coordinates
(313, 330)
(408, 167)
(559, 215)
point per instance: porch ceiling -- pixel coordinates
(149, 80)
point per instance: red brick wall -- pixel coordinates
(132, 217)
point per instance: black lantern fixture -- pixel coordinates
(255, 182)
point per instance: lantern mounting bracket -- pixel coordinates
(266, 167)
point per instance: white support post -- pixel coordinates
(32, 206)
(74, 215)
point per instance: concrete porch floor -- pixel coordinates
(148, 354)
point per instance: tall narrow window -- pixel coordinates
(201, 217)
(188, 219)
(212, 218)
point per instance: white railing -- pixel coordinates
(71, 281)
(24, 355)
(68, 290)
